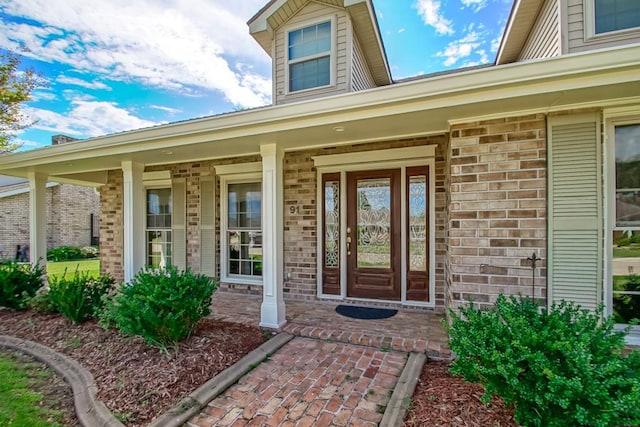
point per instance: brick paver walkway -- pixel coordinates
(310, 382)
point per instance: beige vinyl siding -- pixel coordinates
(361, 76)
(313, 13)
(575, 210)
(544, 39)
(575, 31)
(207, 227)
(178, 218)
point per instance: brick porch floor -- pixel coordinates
(409, 330)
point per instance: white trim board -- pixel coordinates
(17, 191)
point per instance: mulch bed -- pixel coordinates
(135, 381)
(441, 399)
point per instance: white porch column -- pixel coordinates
(37, 218)
(273, 309)
(133, 219)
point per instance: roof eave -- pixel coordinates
(521, 19)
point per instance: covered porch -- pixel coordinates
(409, 330)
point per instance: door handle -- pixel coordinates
(348, 245)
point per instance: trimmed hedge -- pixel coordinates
(559, 367)
(162, 306)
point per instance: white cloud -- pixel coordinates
(401, 30)
(429, 11)
(166, 109)
(42, 95)
(495, 44)
(87, 119)
(459, 49)
(26, 143)
(173, 44)
(79, 82)
(476, 5)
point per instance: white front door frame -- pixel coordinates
(400, 158)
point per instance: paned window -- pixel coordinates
(614, 15)
(309, 55)
(158, 228)
(244, 229)
(626, 230)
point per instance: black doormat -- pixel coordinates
(368, 313)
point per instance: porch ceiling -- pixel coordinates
(402, 110)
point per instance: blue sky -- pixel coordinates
(118, 65)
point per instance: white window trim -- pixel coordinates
(332, 54)
(612, 118)
(589, 8)
(225, 180)
(400, 158)
(155, 184)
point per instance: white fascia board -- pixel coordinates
(23, 190)
(492, 83)
(259, 22)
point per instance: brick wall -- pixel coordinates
(70, 209)
(497, 209)
(111, 227)
(68, 212)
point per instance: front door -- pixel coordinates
(373, 234)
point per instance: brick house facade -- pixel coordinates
(419, 194)
(70, 210)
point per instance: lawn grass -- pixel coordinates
(626, 252)
(21, 405)
(57, 269)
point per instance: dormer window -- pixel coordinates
(616, 15)
(309, 57)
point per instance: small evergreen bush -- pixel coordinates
(557, 368)
(79, 297)
(64, 253)
(72, 253)
(162, 306)
(19, 283)
(41, 302)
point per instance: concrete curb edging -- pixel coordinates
(90, 411)
(191, 405)
(401, 397)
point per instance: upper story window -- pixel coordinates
(309, 57)
(615, 15)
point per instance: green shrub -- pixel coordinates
(64, 253)
(72, 253)
(90, 251)
(79, 297)
(41, 302)
(557, 368)
(19, 283)
(162, 306)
